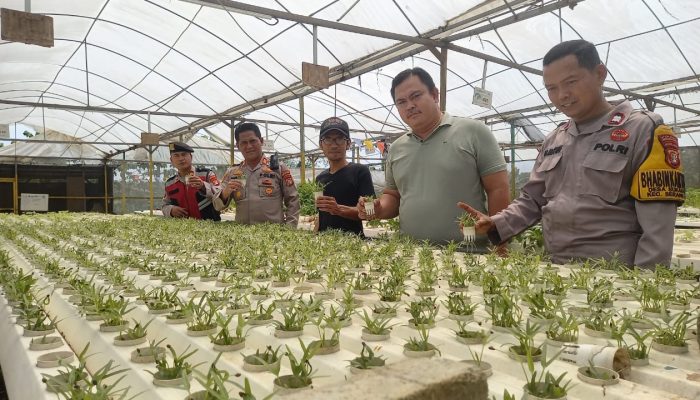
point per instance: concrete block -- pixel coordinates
(413, 379)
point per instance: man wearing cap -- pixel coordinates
(189, 193)
(262, 190)
(343, 182)
(607, 181)
(442, 159)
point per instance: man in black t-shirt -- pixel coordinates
(343, 182)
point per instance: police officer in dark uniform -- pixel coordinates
(189, 193)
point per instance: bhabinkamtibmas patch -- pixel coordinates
(660, 177)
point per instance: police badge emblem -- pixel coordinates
(670, 145)
(619, 135)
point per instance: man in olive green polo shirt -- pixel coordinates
(442, 160)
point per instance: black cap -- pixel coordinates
(179, 146)
(335, 124)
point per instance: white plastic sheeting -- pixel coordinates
(177, 57)
(53, 147)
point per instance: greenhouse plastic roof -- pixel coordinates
(55, 147)
(176, 57)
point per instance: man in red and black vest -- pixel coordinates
(188, 194)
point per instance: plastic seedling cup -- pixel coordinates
(469, 233)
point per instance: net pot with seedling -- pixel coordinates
(564, 329)
(214, 384)
(145, 355)
(391, 289)
(317, 189)
(369, 205)
(423, 313)
(292, 324)
(362, 284)
(133, 336)
(470, 336)
(36, 322)
(542, 309)
(238, 304)
(161, 300)
(377, 328)
(267, 361)
(467, 224)
(639, 349)
(224, 341)
(176, 372)
(302, 372)
(458, 279)
(504, 312)
(203, 321)
(261, 292)
(366, 361)
(74, 382)
(113, 311)
(599, 324)
(417, 347)
(385, 309)
(541, 384)
(670, 337)
(342, 316)
(261, 315)
(478, 358)
(460, 307)
(325, 345)
(525, 349)
(72, 376)
(181, 314)
(599, 376)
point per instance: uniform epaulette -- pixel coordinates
(563, 126)
(658, 120)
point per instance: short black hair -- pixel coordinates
(585, 53)
(422, 74)
(246, 126)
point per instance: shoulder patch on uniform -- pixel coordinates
(616, 119)
(660, 177)
(287, 177)
(172, 178)
(670, 144)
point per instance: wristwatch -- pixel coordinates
(493, 236)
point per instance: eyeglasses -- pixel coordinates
(334, 140)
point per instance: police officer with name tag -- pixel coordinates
(189, 193)
(607, 181)
(262, 189)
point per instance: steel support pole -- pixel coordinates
(512, 161)
(302, 146)
(443, 79)
(150, 178)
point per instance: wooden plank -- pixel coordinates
(315, 75)
(24, 27)
(149, 138)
